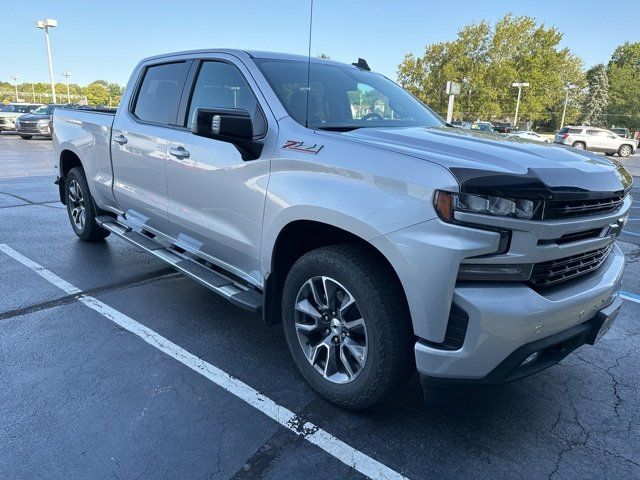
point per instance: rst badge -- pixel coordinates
(299, 146)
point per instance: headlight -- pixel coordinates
(44, 122)
(447, 203)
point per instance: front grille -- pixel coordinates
(554, 272)
(573, 237)
(28, 124)
(576, 208)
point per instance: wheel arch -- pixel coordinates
(68, 160)
(294, 240)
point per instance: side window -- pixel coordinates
(593, 132)
(160, 92)
(221, 85)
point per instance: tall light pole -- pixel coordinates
(566, 100)
(33, 91)
(45, 25)
(67, 75)
(15, 81)
(519, 85)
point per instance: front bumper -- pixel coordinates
(34, 130)
(505, 317)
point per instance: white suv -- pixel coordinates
(596, 140)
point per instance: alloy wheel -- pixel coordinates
(76, 205)
(331, 330)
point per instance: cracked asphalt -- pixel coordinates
(82, 398)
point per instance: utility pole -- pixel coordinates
(566, 101)
(66, 75)
(519, 85)
(15, 81)
(33, 92)
(452, 90)
(45, 25)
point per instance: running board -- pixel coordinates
(236, 293)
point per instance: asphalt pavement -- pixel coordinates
(114, 366)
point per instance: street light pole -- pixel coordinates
(566, 101)
(15, 81)
(33, 91)
(519, 85)
(67, 75)
(45, 25)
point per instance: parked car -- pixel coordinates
(483, 127)
(11, 111)
(381, 249)
(622, 132)
(461, 124)
(596, 140)
(39, 122)
(529, 135)
(502, 127)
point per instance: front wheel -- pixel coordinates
(80, 207)
(625, 150)
(347, 325)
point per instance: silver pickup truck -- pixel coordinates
(327, 198)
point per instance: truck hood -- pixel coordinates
(489, 164)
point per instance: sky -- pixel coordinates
(106, 39)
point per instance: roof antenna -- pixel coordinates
(306, 116)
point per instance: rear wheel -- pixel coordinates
(579, 145)
(347, 325)
(608, 154)
(26, 137)
(80, 207)
(625, 150)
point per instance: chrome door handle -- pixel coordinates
(179, 152)
(121, 139)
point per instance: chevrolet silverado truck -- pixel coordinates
(328, 199)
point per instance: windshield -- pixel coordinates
(19, 108)
(343, 98)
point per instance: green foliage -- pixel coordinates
(597, 98)
(41, 92)
(486, 60)
(623, 72)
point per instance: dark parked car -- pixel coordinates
(502, 127)
(622, 132)
(38, 122)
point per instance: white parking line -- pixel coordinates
(285, 417)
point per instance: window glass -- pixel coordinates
(221, 85)
(343, 97)
(575, 131)
(160, 93)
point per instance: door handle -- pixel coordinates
(179, 152)
(121, 139)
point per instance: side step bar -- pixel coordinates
(235, 292)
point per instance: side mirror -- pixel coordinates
(228, 125)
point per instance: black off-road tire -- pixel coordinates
(89, 231)
(390, 360)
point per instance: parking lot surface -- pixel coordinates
(142, 374)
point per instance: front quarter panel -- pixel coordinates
(361, 189)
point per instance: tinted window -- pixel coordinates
(343, 97)
(575, 131)
(221, 85)
(160, 92)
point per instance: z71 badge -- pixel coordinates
(299, 146)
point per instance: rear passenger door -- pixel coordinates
(216, 199)
(139, 143)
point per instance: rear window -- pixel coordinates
(160, 92)
(575, 131)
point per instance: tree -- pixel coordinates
(623, 72)
(97, 93)
(597, 98)
(486, 60)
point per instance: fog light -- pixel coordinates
(530, 359)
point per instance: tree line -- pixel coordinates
(99, 92)
(486, 59)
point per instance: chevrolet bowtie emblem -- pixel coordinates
(614, 229)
